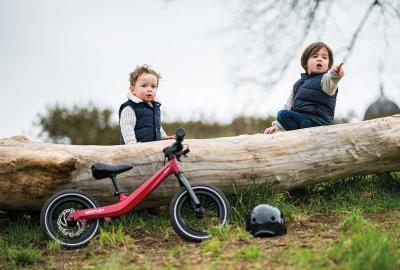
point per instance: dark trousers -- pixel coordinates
(293, 120)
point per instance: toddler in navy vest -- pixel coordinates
(140, 116)
(313, 98)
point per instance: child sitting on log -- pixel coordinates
(140, 116)
(313, 98)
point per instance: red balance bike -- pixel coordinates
(72, 217)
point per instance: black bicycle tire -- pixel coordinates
(180, 228)
(50, 202)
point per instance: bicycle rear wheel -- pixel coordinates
(182, 212)
(53, 218)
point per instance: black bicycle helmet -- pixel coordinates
(266, 221)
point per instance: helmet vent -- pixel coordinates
(254, 219)
(272, 218)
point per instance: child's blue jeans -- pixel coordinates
(293, 120)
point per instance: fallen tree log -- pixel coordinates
(30, 172)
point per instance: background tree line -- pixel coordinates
(91, 125)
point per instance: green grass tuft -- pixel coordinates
(212, 245)
(363, 246)
(114, 237)
(19, 256)
(251, 253)
(53, 245)
(360, 246)
(222, 232)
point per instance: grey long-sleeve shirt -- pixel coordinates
(329, 83)
(127, 122)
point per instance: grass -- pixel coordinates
(177, 251)
(117, 261)
(222, 232)
(359, 215)
(53, 245)
(113, 237)
(142, 220)
(366, 193)
(363, 246)
(212, 245)
(21, 256)
(251, 252)
(360, 246)
(18, 243)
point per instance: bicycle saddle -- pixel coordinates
(102, 170)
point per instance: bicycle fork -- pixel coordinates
(183, 182)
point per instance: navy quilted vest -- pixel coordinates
(148, 121)
(310, 99)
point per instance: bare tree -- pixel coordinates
(273, 33)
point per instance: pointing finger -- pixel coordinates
(337, 68)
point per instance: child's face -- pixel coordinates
(318, 62)
(145, 87)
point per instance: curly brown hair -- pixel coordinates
(312, 49)
(143, 69)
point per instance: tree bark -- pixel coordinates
(30, 172)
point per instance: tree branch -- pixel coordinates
(358, 30)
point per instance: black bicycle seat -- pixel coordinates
(102, 170)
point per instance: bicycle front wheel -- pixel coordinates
(184, 220)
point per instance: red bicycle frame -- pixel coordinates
(127, 203)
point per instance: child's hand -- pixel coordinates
(271, 130)
(168, 137)
(339, 70)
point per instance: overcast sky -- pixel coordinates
(74, 52)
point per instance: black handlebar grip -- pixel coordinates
(180, 134)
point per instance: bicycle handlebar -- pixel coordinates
(180, 134)
(176, 149)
